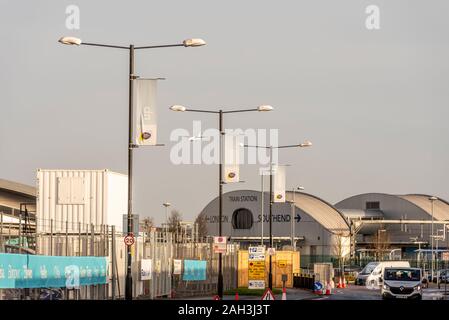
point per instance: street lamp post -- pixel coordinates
(131, 48)
(220, 113)
(270, 148)
(432, 200)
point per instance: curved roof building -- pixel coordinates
(406, 218)
(388, 206)
(315, 223)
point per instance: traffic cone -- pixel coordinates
(284, 294)
(339, 283)
(328, 289)
(236, 296)
(344, 282)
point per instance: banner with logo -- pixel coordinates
(177, 266)
(144, 112)
(146, 269)
(232, 158)
(279, 183)
(36, 271)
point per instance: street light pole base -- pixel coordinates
(270, 281)
(129, 287)
(220, 286)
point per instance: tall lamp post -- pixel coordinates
(270, 148)
(432, 200)
(131, 48)
(220, 114)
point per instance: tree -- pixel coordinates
(341, 247)
(147, 224)
(381, 243)
(200, 221)
(174, 223)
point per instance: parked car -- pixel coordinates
(402, 283)
(362, 275)
(443, 276)
(51, 294)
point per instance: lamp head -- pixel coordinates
(306, 143)
(178, 107)
(70, 41)
(193, 42)
(265, 108)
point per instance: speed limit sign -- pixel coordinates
(129, 240)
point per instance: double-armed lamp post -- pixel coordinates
(131, 48)
(270, 148)
(220, 114)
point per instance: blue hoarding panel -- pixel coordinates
(194, 270)
(36, 271)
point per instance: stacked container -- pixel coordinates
(67, 199)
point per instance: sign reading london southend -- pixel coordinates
(266, 218)
(282, 217)
(37, 271)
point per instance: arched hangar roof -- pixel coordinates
(323, 212)
(440, 209)
(440, 206)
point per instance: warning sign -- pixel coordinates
(282, 263)
(256, 270)
(256, 267)
(268, 295)
(220, 244)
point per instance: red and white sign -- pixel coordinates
(220, 244)
(129, 240)
(268, 295)
(216, 297)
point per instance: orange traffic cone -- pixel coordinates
(328, 289)
(339, 283)
(284, 294)
(236, 296)
(344, 282)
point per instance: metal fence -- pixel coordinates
(102, 240)
(204, 251)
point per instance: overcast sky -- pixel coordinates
(373, 102)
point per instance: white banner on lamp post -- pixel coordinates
(144, 111)
(279, 183)
(232, 158)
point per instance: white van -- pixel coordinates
(402, 283)
(374, 280)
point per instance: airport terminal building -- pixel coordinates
(321, 231)
(357, 227)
